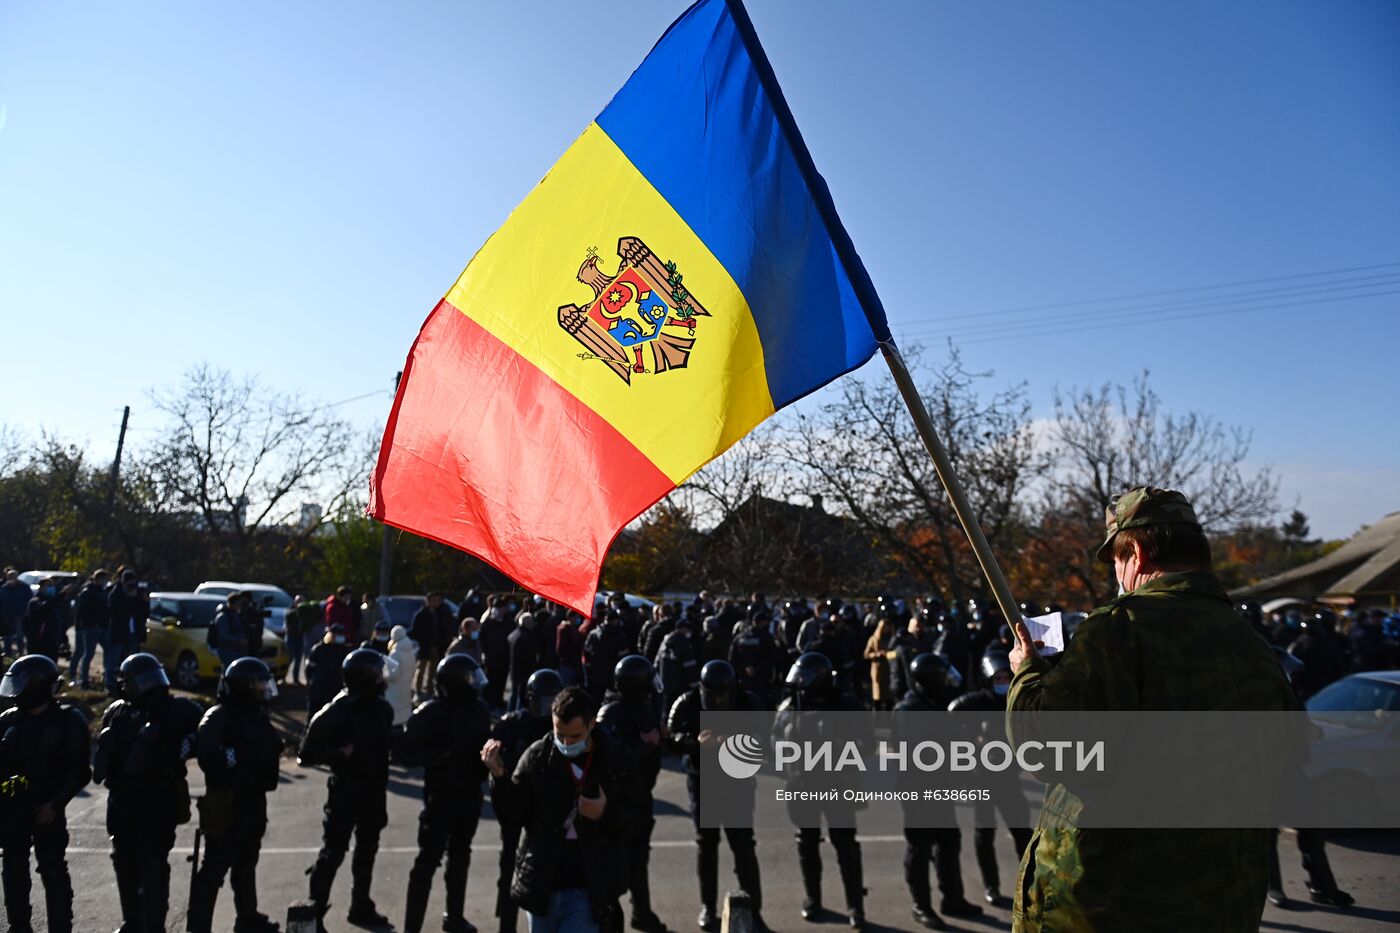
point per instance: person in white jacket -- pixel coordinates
(403, 657)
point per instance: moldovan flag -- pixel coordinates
(677, 277)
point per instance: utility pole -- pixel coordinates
(386, 546)
(117, 461)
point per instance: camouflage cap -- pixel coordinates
(1142, 506)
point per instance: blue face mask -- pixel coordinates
(573, 750)
(475, 635)
(1001, 690)
(49, 591)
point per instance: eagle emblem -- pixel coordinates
(640, 320)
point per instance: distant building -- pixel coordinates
(310, 516)
(1364, 571)
(773, 546)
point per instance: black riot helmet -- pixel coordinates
(994, 661)
(634, 678)
(1052, 607)
(1029, 610)
(717, 686)
(247, 682)
(143, 677)
(459, 679)
(1326, 620)
(31, 681)
(811, 677)
(363, 670)
(933, 677)
(540, 690)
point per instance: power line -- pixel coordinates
(1055, 331)
(1166, 291)
(347, 401)
(1132, 311)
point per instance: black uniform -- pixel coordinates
(355, 802)
(652, 635)
(141, 756)
(323, 675)
(906, 647)
(603, 647)
(755, 657)
(239, 752)
(807, 816)
(43, 760)
(684, 726)
(1005, 791)
(516, 731)
(629, 719)
(677, 665)
(445, 737)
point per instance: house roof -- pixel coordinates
(1372, 554)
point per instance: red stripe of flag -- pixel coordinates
(486, 453)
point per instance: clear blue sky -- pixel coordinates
(287, 189)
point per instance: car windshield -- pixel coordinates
(400, 609)
(1356, 694)
(197, 613)
(275, 599)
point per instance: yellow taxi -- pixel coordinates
(177, 633)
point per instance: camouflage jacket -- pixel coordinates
(1174, 643)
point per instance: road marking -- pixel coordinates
(413, 850)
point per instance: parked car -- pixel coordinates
(400, 609)
(63, 578)
(274, 600)
(633, 600)
(1358, 753)
(177, 633)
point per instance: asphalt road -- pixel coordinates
(1367, 864)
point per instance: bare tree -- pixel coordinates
(1105, 440)
(14, 450)
(244, 458)
(863, 454)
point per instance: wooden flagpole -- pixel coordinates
(1010, 610)
(874, 311)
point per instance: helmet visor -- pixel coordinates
(716, 699)
(264, 688)
(540, 704)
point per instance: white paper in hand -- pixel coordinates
(1050, 630)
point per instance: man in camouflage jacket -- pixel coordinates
(1171, 641)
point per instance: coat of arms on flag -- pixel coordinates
(641, 320)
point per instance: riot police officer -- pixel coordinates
(812, 689)
(719, 691)
(936, 838)
(517, 731)
(146, 738)
(43, 764)
(754, 655)
(632, 711)
(1006, 795)
(350, 735)
(239, 751)
(445, 735)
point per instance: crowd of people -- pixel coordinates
(564, 721)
